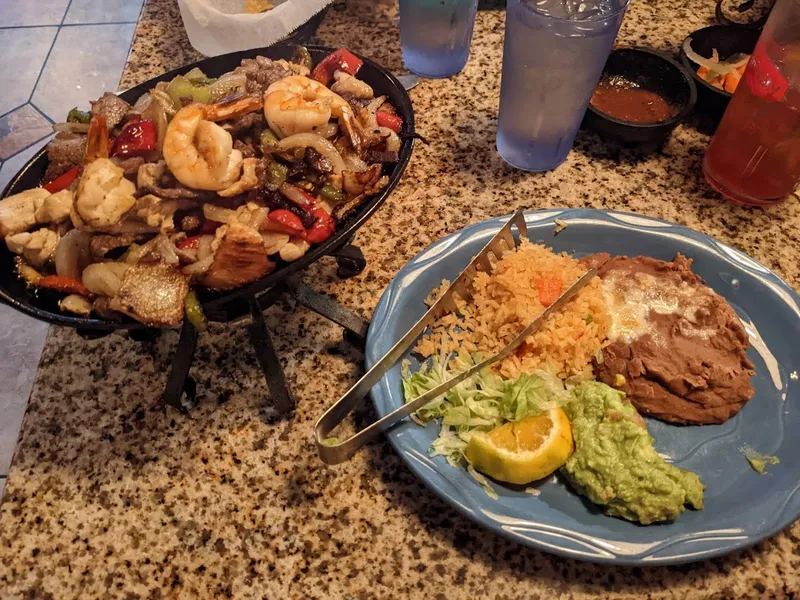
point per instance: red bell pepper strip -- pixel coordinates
(288, 221)
(63, 181)
(323, 227)
(338, 60)
(385, 119)
(190, 243)
(136, 139)
(62, 283)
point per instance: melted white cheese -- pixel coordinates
(631, 299)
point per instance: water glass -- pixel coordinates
(553, 57)
(435, 35)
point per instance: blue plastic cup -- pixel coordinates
(553, 56)
(436, 34)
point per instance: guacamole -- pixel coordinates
(615, 464)
(759, 461)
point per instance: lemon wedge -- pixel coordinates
(523, 451)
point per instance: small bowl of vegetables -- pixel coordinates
(717, 56)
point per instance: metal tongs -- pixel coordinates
(502, 242)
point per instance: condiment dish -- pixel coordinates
(727, 40)
(649, 70)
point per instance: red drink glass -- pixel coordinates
(754, 156)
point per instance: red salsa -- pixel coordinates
(623, 100)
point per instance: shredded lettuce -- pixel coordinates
(480, 403)
(482, 481)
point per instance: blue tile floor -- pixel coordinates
(56, 54)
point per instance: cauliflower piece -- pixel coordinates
(24, 210)
(157, 212)
(36, 247)
(76, 304)
(294, 249)
(274, 241)
(104, 195)
(53, 208)
(17, 212)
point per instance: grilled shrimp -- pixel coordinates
(297, 104)
(104, 195)
(200, 153)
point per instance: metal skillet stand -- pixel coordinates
(250, 310)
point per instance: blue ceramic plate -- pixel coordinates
(741, 506)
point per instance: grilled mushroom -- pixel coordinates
(241, 257)
(152, 294)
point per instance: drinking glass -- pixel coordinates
(553, 57)
(754, 156)
(435, 35)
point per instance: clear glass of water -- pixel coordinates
(553, 57)
(436, 34)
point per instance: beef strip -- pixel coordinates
(247, 150)
(130, 166)
(100, 245)
(297, 169)
(276, 201)
(64, 152)
(356, 103)
(156, 179)
(683, 369)
(380, 156)
(244, 124)
(112, 107)
(191, 222)
(316, 161)
(261, 72)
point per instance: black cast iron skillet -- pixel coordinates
(44, 305)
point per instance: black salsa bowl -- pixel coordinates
(44, 306)
(650, 70)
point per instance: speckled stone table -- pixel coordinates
(109, 495)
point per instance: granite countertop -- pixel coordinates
(109, 495)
